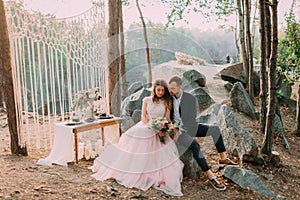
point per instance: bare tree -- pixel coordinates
(147, 44)
(269, 131)
(263, 71)
(241, 11)
(298, 111)
(248, 42)
(1, 90)
(236, 37)
(113, 58)
(8, 87)
(122, 56)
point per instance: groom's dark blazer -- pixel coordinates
(188, 112)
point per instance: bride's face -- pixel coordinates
(159, 91)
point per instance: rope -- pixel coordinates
(52, 60)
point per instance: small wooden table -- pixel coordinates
(94, 125)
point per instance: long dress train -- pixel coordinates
(140, 160)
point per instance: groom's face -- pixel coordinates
(174, 89)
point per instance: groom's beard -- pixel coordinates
(177, 95)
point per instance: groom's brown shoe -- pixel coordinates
(218, 185)
(227, 161)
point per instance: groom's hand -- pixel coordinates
(175, 133)
(176, 136)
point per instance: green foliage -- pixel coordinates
(280, 94)
(219, 8)
(288, 62)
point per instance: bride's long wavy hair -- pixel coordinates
(167, 98)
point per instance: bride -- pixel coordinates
(140, 160)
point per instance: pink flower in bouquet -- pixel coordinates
(160, 126)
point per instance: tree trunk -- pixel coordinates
(249, 49)
(8, 87)
(122, 56)
(269, 132)
(269, 31)
(298, 111)
(113, 58)
(263, 77)
(275, 158)
(1, 89)
(241, 12)
(236, 37)
(147, 45)
(254, 24)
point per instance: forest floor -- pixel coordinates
(22, 178)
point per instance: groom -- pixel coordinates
(184, 113)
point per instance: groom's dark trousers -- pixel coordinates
(187, 111)
(204, 130)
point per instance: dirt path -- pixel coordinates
(21, 178)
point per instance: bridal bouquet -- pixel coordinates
(160, 126)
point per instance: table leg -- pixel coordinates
(76, 146)
(102, 134)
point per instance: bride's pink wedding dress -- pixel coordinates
(140, 160)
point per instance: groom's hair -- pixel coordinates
(176, 79)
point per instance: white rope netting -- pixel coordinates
(52, 60)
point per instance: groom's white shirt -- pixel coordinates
(176, 103)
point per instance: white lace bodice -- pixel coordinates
(154, 109)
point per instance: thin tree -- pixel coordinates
(236, 37)
(298, 111)
(1, 91)
(263, 71)
(242, 35)
(249, 50)
(122, 56)
(148, 61)
(8, 87)
(269, 131)
(113, 58)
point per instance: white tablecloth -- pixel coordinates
(62, 150)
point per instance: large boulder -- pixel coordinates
(136, 116)
(190, 169)
(241, 101)
(134, 87)
(228, 87)
(185, 59)
(193, 76)
(233, 73)
(127, 123)
(134, 101)
(237, 139)
(209, 115)
(248, 179)
(202, 97)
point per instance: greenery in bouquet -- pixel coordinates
(160, 126)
